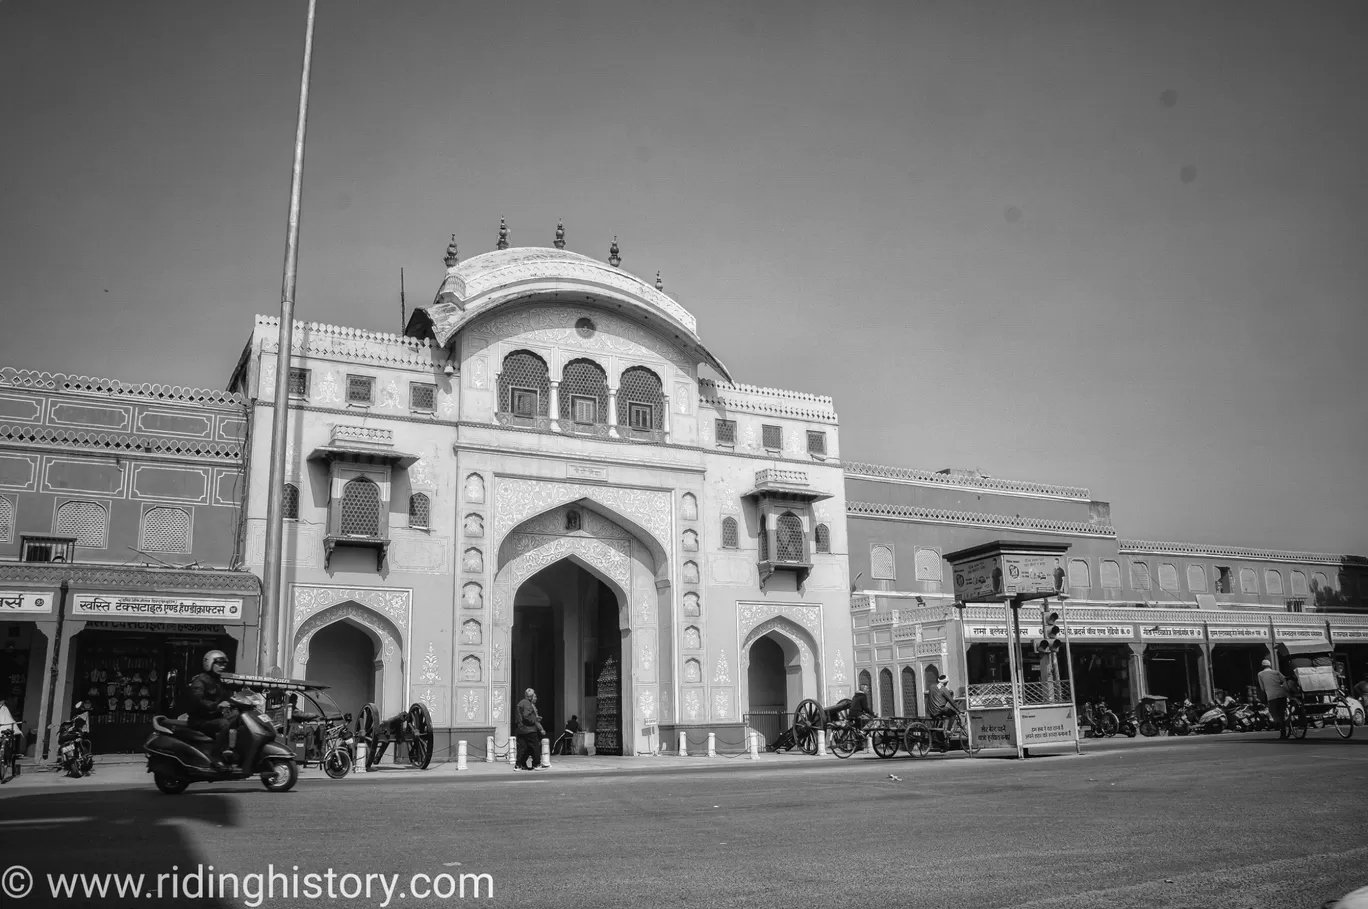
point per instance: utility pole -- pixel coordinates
(273, 618)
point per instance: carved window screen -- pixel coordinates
(1196, 578)
(1168, 576)
(788, 538)
(166, 530)
(764, 540)
(419, 507)
(1140, 576)
(816, 442)
(6, 520)
(86, 521)
(299, 382)
(881, 566)
(1320, 580)
(1111, 574)
(1299, 583)
(289, 502)
(360, 514)
(822, 538)
(422, 396)
(641, 386)
(909, 691)
(1273, 582)
(1080, 573)
(725, 430)
(1249, 582)
(360, 389)
(583, 392)
(886, 707)
(865, 682)
(729, 535)
(772, 437)
(526, 372)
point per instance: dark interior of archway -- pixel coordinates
(342, 657)
(567, 646)
(768, 684)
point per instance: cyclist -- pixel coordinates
(941, 705)
(858, 711)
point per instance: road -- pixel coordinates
(1228, 821)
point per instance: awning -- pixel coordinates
(1305, 647)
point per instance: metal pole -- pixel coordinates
(272, 617)
(1073, 674)
(1015, 668)
(964, 667)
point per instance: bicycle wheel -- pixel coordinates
(1344, 719)
(886, 742)
(843, 742)
(917, 739)
(961, 732)
(337, 763)
(1108, 723)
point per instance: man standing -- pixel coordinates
(528, 728)
(1274, 691)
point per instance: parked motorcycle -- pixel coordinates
(1210, 720)
(1129, 725)
(74, 754)
(178, 755)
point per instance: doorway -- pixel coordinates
(343, 657)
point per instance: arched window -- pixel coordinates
(881, 565)
(419, 507)
(764, 540)
(360, 510)
(584, 393)
(524, 386)
(886, 707)
(1273, 582)
(909, 692)
(166, 530)
(86, 521)
(865, 682)
(1299, 583)
(822, 538)
(289, 502)
(639, 401)
(729, 534)
(788, 538)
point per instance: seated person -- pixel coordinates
(572, 725)
(858, 713)
(941, 703)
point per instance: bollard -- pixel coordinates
(361, 755)
(712, 744)
(489, 749)
(461, 755)
(754, 753)
(821, 743)
(683, 744)
(546, 753)
(513, 750)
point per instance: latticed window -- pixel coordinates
(725, 430)
(6, 520)
(1111, 574)
(881, 562)
(640, 405)
(729, 535)
(360, 389)
(524, 386)
(822, 538)
(772, 437)
(166, 530)
(816, 442)
(299, 382)
(886, 707)
(418, 511)
(422, 396)
(1196, 577)
(764, 539)
(583, 392)
(865, 682)
(909, 691)
(788, 537)
(86, 521)
(1273, 582)
(1140, 576)
(360, 508)
(289, 502)
(1299, 583)
(1080, 573)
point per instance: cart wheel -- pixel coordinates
(807, 740)
(808, 715)
(917, 739)
(420, 743)
(366, 722)
(1344, 719)
(843, 741)
(886, 742)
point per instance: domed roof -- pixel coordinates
(480, 285)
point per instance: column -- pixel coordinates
(555, 405)
(1204, 674)
(1136, 671)
(666, 402)
(612, 420)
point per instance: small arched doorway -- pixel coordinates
(931, 678)
(343, 657)
(886, 704)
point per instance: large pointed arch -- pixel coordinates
(384, 634)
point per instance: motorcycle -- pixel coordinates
(1129, 726)
(74, 754)
(1210, 720)
(178, 755)
(1240, 717)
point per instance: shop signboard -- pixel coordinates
(1088, 631)
(137, 607)
(1312, 633)
(1227, 633)
(1048, 726)
(1344, 635)
(985, 631)
(27, 602)
(1006, 575)
(978, 580)
(1190, 634)
(993, 728)
(198, 628)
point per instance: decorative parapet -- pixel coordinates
(317, 339)
(859, 602)
(935, 478)
(941, 515)
(880, 619)
(778, 402)
(773, 476)
(905, 633)
(363, 435)
(1144, 547)
(110, 388)
(137, 576)
(115, 442)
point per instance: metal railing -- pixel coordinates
(999, 694)
(769, 723)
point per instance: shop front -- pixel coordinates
(1237, 655)
(1351, 647)
(1174, 661)
(27, 625)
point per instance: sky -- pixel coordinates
(1108, 244)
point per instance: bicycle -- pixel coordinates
(339, 751)
(564, 743)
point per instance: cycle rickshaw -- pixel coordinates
(1314, 697)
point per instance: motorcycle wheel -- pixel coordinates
(1129, 730)
(1180, 728)
(1149, 728)
(1107, 724)
(169, 784)
(337, 763)
(280, 776)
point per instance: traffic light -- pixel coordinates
(1050, 640)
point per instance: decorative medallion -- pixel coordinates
(430, 674)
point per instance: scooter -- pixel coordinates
(1212, 720)
(1129, 726)
(178, 755)
(74, 754)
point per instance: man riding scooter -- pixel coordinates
(208, 708)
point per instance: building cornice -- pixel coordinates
(352, 345)
(751, 399)
(111, 388)
(917, 514)
(116, 445)
(915, 476)
(1145, 547)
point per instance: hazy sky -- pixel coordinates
(1118, 245)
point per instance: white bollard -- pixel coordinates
(821, 743)
(683, 744)
(489, 749)
(754, 740)
(546, 753)
(513, 750)
(361, 754)
(712, 744)
(461, 755)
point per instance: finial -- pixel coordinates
(660, 285)
(613, 258)
(451, 257)
(503, 234)
(560, 235)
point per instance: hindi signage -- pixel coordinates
(1187, 633)
(1089, 631)
(1048, 726)
(27, 602)
(1224, 633)
(135, 607)
(993, 728)
(1313, 633)
(985, 631)
(1342, 634)
(157, 627)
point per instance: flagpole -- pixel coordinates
(273, 618)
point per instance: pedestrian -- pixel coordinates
(528, 728)
(1361, 689)
(1274, 691)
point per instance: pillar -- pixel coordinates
(612, 412)
(1135, 665)
(554, 412)
(1204, 680)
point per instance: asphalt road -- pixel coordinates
(1228, 821)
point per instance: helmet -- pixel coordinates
(212, 657)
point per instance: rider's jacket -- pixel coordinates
(205, 694)
(942, 700)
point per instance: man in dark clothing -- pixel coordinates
(859, 710)
(207, 705)
(528, 728)
(1273, 687)
(941, 703)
